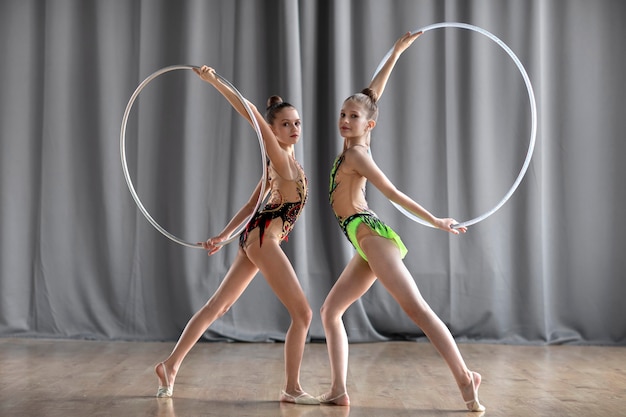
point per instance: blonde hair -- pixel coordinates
(368, 99)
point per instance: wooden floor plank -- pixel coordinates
(54, 378)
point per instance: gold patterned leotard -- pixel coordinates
(284, 205)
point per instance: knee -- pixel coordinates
(304, 316)
(329, 315)
(300, 313)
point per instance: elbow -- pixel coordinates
(393, 194)
(251, 205)
(251, 105)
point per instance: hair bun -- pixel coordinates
(274, 101)
(371, 94)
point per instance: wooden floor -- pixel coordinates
(50, 378)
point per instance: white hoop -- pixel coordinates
(533, 111)
(129, 181)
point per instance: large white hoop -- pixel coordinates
(129, 181)
(533, 112)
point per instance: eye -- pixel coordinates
(354, 116)
(298, 123)
(342, 115)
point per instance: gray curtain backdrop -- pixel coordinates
(79, 260)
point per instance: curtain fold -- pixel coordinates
(79, 260)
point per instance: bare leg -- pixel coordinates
(281, 277)
(384, 259)
(235, 282)
(353, 282)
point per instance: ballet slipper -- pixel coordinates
(323, 399)
(304, 398)
(474, 404)
(164, 391)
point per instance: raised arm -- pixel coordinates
(208, 74)
(277, 155)
(380, 80)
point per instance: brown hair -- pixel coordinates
(274, 105)
(368, 99)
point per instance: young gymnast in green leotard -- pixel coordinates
(379, 249)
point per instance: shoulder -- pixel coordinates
(357, 160)
(357, 151)
(291, 170)
(357, 155)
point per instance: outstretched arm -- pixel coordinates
(212, 245)
(380, 80)
(365, 166)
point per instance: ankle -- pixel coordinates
(293, 388)
(164, 371)
(466, 379)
